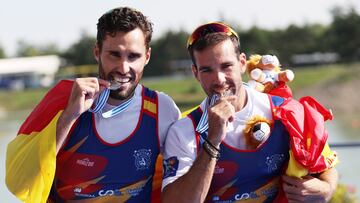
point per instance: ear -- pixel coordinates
(148, 54)
(96, 52)
(195, 72)
(242, 59)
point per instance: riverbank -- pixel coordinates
(340, 94)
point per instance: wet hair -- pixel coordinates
(210, 40)
(123, 19)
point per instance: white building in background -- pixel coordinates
(315, 58)
(28, 72)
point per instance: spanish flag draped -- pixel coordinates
(31, 156)
(309, 151)
(305, 122)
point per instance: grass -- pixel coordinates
(307, 77)
(20, 100)
(187, 92)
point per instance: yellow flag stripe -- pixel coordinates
(150, 106)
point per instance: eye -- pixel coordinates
(204, 69)
(134, 56)
(114, 53)
(227, 66)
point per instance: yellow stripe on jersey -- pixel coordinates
(185, 113)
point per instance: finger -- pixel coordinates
(93, 83)
(232, 113)
(294, 198)
(290, 189)
(86, 83)
(89, 92)
(291, 180)
(228, 99)
(103, 83)
(91, 87)
(231, 98)
(227, 108)
(307, 177)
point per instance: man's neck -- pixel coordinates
(242, 100)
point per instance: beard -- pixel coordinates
(124, 91)
(225, 89)
(120, 94)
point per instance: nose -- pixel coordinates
(220, 78)
(124, 67)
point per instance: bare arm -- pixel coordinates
(331, 177)
(83, 94)
(63, 127)
(310, 188)
(194, 185)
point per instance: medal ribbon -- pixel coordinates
(101, 101)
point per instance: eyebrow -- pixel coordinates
(204, 67)
(227, 63)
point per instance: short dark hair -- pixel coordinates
(123, 19)
(211, 39)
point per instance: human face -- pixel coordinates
(122, 58)
(219, 68)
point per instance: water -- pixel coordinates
(7, 132)
(348, 167)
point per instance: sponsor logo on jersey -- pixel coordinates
(85, 162)
(218, 169)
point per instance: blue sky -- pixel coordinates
(41, 22)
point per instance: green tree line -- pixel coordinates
(341, 36)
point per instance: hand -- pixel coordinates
(306, 189)
(83, 94)
(219, 115)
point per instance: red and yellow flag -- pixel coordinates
(31, 156)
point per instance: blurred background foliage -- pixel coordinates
(341, 36)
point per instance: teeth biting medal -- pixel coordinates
(114, 85)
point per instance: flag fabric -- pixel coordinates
(309, 151)
(305, 122)
(281, 90)
(31, 156)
